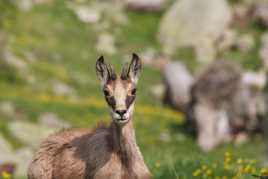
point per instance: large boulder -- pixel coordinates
(29, 133)
(19, 158)
(52, 120)
(5, 150)
(178, 81)
(213, 126)
(192, 23)
(23, 158)
(225, 103)
(211, 96)
(218, 83)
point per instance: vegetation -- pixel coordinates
(64, 50)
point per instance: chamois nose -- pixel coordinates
(121, 112)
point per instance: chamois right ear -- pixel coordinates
(132, 70)
(104, 72)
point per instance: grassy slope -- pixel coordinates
(64, 49)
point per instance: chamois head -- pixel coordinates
(119, 91)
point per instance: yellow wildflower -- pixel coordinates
(239, 161)
(197, 173)
(247, 169)
(6, 175)
(209, 172)
(204, 167)
(157, 164)
(264, 171)
(214, 165)
(227, 154)
(226, 166)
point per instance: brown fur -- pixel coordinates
(108, 152)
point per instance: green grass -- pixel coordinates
(63, 49)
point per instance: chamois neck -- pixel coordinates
(124, 143)
(123, 135)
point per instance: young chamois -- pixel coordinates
(106, 152)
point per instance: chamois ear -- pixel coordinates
(104, 72)
(132, 70)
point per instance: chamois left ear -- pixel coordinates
(105, 72)
(133, 70)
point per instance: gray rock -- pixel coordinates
(26, 5)
(148, 56)
(148, 5)
(61, 89)
(205, 53)
(254, 84)
(7, 108)
(213, 126)
(178, 81)
(11, 59)
(23, 158)
(212, 94)
(226, 99)
(7, 154)
(194, 23)
(17, 66)
(110, 12)
(218, 83)
(50, 119)
(255, 80)
(106, 44)
(6, 151)
(29, 133)
(158, 91)
(42, 1)
(115, 13)
(87, 14)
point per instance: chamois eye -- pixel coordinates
(106, 92)
(133, 91)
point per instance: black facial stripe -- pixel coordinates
(111, 101)
(129, 100)
(106, 92)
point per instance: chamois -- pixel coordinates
(107, 152)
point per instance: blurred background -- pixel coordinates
(200, 109)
